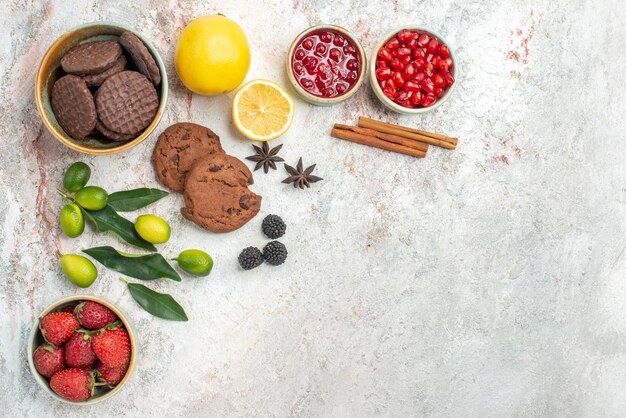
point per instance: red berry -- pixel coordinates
(427, 100)
(381, 64)
(390, 92)
(443, 66)
(420, 76)
(429, 70)
(412, 44)
(416, 98)
(352, 65)
(435, 61)
(308, 44)
(405, 60)
(433, 46)
(419, 64)
(396, 65)
(444, 52)
(419, 53)
(385, 54)
(409, 72)
(341, 88)
(93, 315)
(402, 96)
(398, 79)
(423, 39)
(404, 35)
(352, 77)
(383, 73)
(391, 84)
(402, 52)
(449, 79)
(56, 327)
(438, 80)
(326, 37)
(75, 385)
(111, 375)
(300, 54)
(411, 86)
(78, 350)
(48, 359)
(298, 68)
(427, 85)
(320, 50)
(392, 44)
(112, 346)
(438, 92)
(335, 54)
(339, 40)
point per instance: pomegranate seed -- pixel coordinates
(339, 41)
(429, 69)
(414, 35)
(449, 79)
(412, 44)
(423, 39)
(435, 61)
(401, 96)
(335, 54)
(420, 76)
(381, 64)
(396, 64)
(398, 79)
(392, 44)
(438, 80)
(429, 57)
(427, 85)
(404, 35)
(385, 54)
(383, 73)
(405, 60)
(444, 52)
(427, 100)
(419, 53)
(391, 93)
(409, 72)
(433, 46)
(419, 64)
(307, 44)
(411, 86)
(391, 84)
(449, 62)
(416, 98)
(438, 92)
(443, 67)
(402, 52)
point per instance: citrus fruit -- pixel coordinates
(92, 197)
(78, 269)
(71, 220)
(76, 176)
(195, 262)
(262, 110)
(212, 55)
(153, 229)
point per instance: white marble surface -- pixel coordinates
(489, 281)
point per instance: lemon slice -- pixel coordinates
(262, 110)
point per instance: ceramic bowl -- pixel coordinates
(50, 70)
(35, 339)
(388, 102)
(321, 101)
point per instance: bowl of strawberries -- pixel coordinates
(82, 350)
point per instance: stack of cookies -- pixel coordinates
(189, 159)
(108, 87)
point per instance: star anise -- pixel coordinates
(300, 177)
(265, 157)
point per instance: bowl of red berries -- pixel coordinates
(326, 64)
(413, 70)
(82, 350)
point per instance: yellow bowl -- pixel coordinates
(36, 339)
(50, 70)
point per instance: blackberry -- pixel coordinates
(273, 226)
(250, 258)
(275, 253)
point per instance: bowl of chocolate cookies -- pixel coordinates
(101, 88)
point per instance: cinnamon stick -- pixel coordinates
(414, 134)
(421, 146)
(371, 141)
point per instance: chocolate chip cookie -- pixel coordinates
(178, 148)
(73, 106)
(217, 196)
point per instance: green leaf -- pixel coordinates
(158, 304)
(144, 267)
(130, 200)
(107, 219)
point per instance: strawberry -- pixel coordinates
(57, 327)
(75, 385)
(112, 345)
(67, 308)
(93, 315)
(48, 359)
(111, 375)
(78, 350)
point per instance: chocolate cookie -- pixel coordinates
(217, 196)
(94, 80)
(91, 57)
(126, 102)
(73, 106)
(142, 58)
(178, 148)
(114, 136)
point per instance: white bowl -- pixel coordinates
(388, 102)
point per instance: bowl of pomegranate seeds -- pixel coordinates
(413, 70)
(82, 350)
(326, 64)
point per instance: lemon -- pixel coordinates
(71, 220)
(92, 197)
(78, 269)
(212, 55)
(76, 176)
(262, 110)
(195, 262)
(153, 229)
